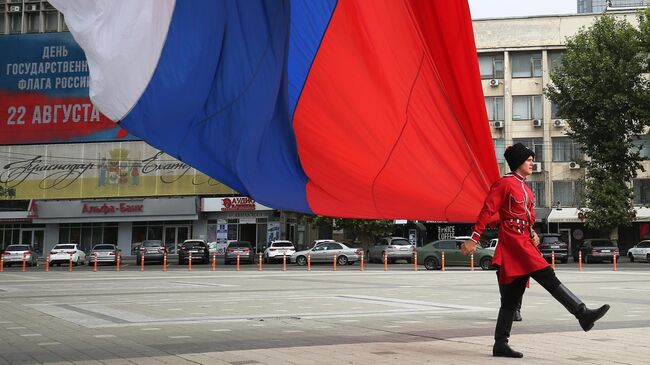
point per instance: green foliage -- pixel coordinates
(367, 230)
(602, 92)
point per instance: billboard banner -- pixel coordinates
(98, 170)
(44, 93)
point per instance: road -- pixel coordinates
(316, 317)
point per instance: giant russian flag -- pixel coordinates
(349, 108)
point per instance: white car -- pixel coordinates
(61, 253)
(492, 245)
(639, 252)
(277, 249)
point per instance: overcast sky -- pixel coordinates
(506, 8)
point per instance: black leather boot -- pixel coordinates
(587, 317)
(518, 311)
(502, 333)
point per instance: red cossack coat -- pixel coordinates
(515, 255)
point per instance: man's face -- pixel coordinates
(526, 168)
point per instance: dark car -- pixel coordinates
(553, 242)
(199, 249)
(153, 250)
(241, 248)
(597, 250)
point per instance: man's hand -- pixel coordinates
(535, 238)
(468, 247)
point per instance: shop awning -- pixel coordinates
(575, 215)
(18, 216)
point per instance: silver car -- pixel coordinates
(104, 253)
(241, 248)
(324, 252)
(396, 248)
(640, 252)
(14, 255)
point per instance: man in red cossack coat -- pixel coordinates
(517, 257)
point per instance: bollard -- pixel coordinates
(284, 262)
(442, 267)
(415, 261)
(165, 261)
(70, 266)
(2, 263)
(471, 262)
(117, 262)
(334, 261)
(579, 260)
(47, 263)
(95, 264)
(260, 262)
(361, 263)
(142, 262)
(237, 261)
(385, 261)
(189, 263)
(553, 259)
(24, 262)
(308, 261)
(614, 261)
(214, 261)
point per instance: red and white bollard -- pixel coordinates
(24, 262)
(415, 260)
(95, 264)
(165, 261)
(118, 262)
(385, 261)
(284, 262)
(47, 263)
(308, 261)
(70, 266)
(614, 261)
(334, 261)
(260, 262)
(553, 259)
(580, 260)
(2, 263)
(142, 260)
(442, 266)
(361, 263)
(214, 261)
(471, 262)
(237, 261)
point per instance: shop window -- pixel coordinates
(64, 234)
(261, 236)
(110, 235)
(232, 231)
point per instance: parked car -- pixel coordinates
(104, 253)
(641, 251)
(278, 249)
(597, 250)
(199, 249)
(62, 252)
(243, 248)
(491, 244)
(324, 252)
(553, 242)
(14, 254)
(152, 250)
(396, 248)
(430, 255)
(320, 242)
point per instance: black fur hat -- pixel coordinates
(516, 155)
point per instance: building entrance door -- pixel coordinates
(34, 237)
(174, 236)
(566, 236)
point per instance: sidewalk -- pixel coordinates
(621, 346)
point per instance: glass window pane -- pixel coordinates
(15, 23)
(33, 22)
(110, 235)
(537, 107)
(521, 65)
(499, 107)
(50, 20)
(521, 109)
(489, 106)
(499, 149)
(485, 64)
(64, 234)
(554, 111)
(498, 68)
(3, 23)
(537, 65)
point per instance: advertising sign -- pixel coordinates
(44, 93)
(98, 170)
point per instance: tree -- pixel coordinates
(600, 89)
(367, 230)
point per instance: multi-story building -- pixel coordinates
(516, 59)
(598, 6)
(68, 174)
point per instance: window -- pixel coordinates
(642, 145)
(494, 106)
(554, 111)
(448, 245)
(499, 149)
(568, 193)
(554, 60)
(535, 144)
(641, 191)
(527, 107)
(51, 20)
(33, 22)
(527, 64)
(2, 22)
(491, 66)
(538, 190)
(15, 23)
(564, 150)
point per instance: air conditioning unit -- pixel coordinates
(494, 82)
(32, 7)
(14, 9)
(537, 123)
(537, 167)
(558, 123)
(574, 165)
(498, 124)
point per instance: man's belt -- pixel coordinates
(518, 225)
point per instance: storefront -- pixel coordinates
(125, 222)
(17, 227)
(240, 218)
